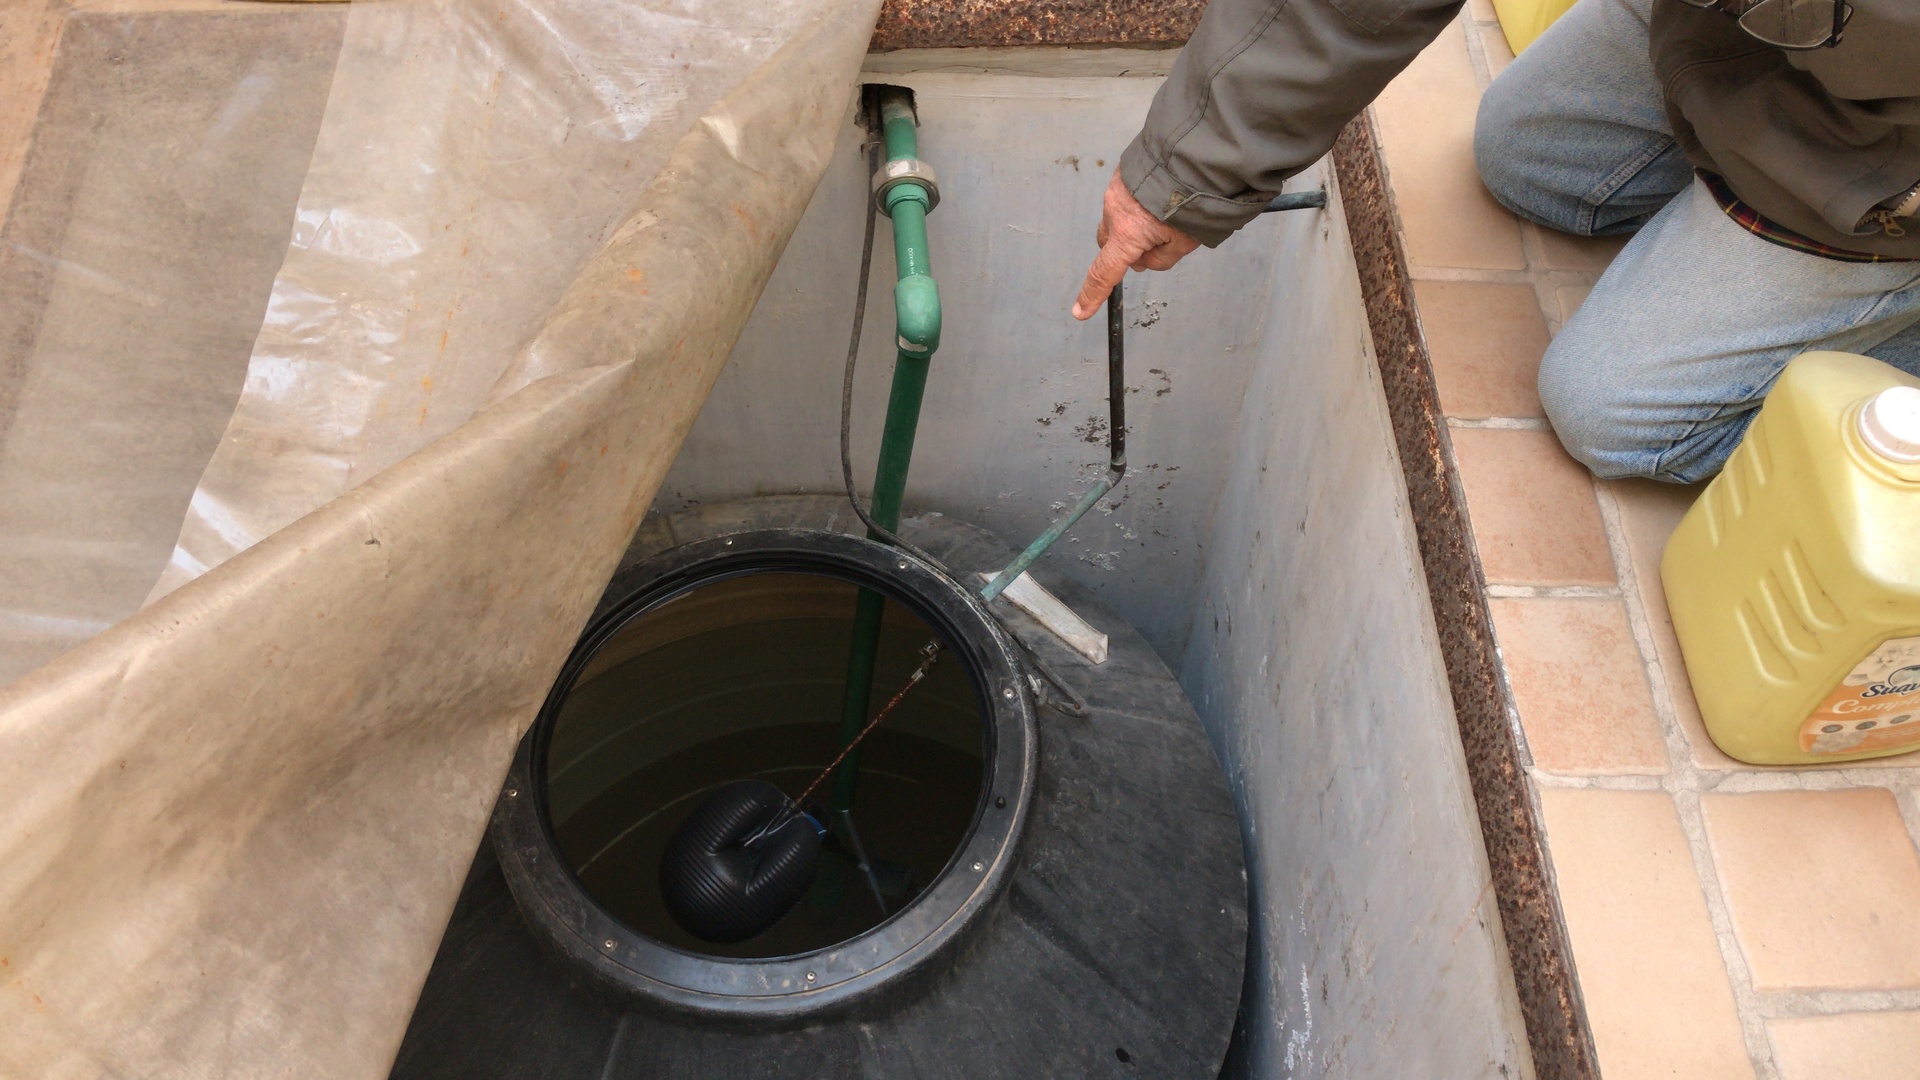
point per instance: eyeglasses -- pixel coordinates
(1788, 24)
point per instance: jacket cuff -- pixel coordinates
(1206, 217)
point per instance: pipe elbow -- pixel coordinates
(916, 308)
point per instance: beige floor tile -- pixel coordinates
(1579, 685)
(1486, 342)
(1852, 1046)
(1823, 886)
(1650, 970)
(1569, 298)
(1649, 512)
(1564, 251)
(1426, 128)
(1494, 44)
(1535, 519)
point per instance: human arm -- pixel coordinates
(1258, 94)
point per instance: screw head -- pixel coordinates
(1007, 693)
(979, 866)
(513, 793)
(811, 976)
(902, 564)
(610, 943)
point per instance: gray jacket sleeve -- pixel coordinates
(1259, 94)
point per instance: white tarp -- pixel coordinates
(233, 825)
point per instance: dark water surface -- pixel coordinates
(742, 680)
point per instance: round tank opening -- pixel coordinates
(742, 677)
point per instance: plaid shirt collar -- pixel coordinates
(1749, 219)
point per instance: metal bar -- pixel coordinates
(1297, 200)
(1046, 540)
(860, 853)
(1116, 450)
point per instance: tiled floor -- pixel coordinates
(1726, 921)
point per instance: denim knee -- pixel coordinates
(1502, 154)
(1595, 424)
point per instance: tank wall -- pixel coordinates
(1262, 542)
(1313, 659)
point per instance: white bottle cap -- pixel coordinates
(1890, 424)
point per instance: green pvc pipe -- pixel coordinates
(916, 308)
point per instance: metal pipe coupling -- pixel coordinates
(900, 171)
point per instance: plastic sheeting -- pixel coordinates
(232, 826)
(472, 157)
(136, 257)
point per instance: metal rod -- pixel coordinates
(1116, 450)
(860, 853)
(1297, 200)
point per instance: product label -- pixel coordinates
(1876, 707)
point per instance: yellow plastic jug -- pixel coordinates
(1523, 20)
(1794, 580)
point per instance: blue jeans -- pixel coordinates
(1662, 368)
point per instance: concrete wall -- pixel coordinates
(1314, 663)
(1018, 387)
(1262, 543)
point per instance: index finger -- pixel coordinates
(1108, 268)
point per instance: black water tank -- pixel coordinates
(1074, 904)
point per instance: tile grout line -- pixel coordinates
(1546, 275)
(1437, 272)
(1682, 786)
(1612, 781)
(1908, 800)
(1543, 291)
(1476, 52)
(1507, 591)
(1500, 423)
(1788, 778)
(1798, 1004)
